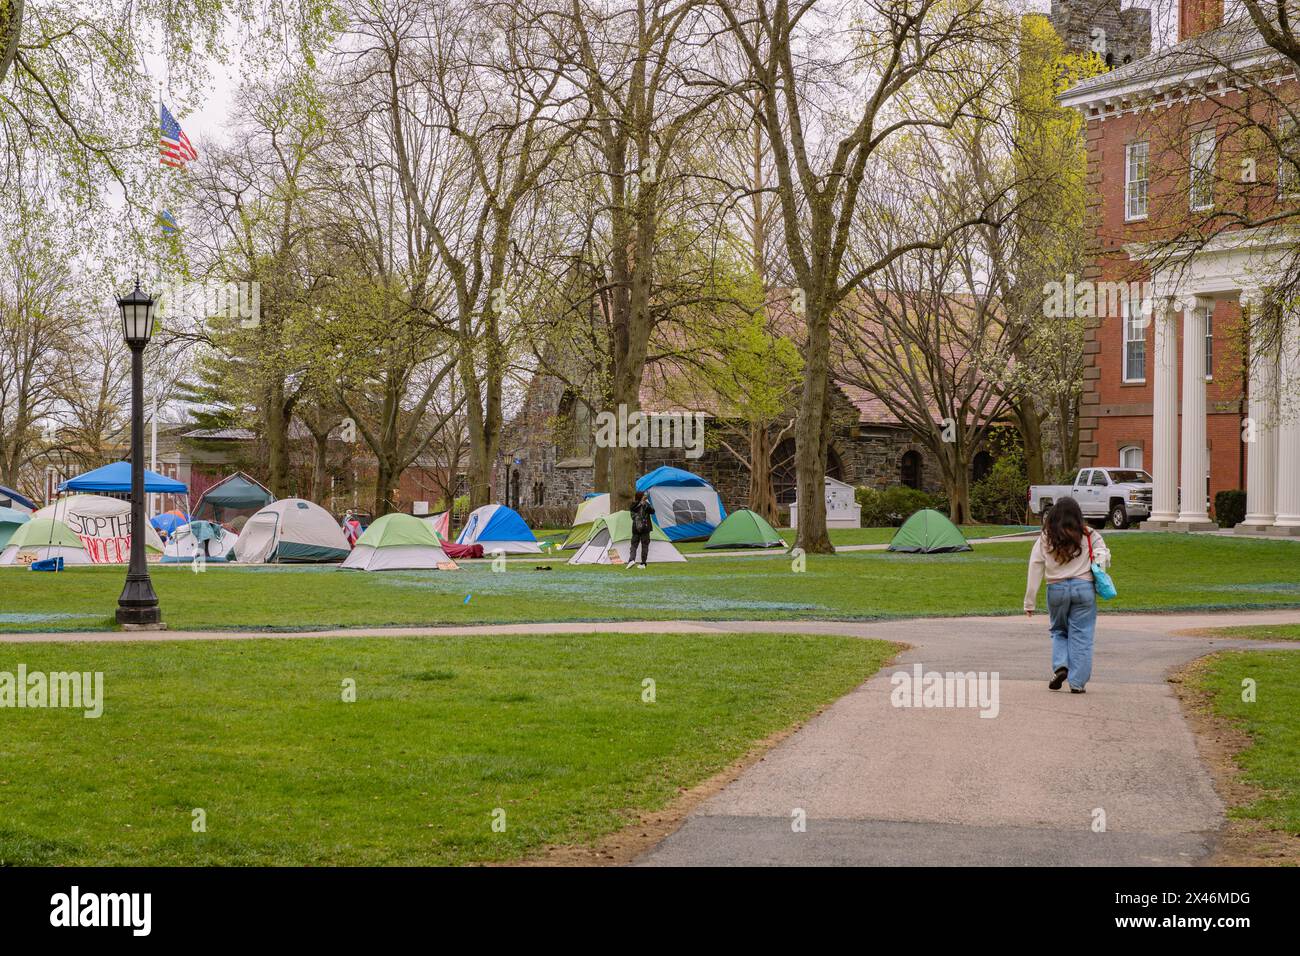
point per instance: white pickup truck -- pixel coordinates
(1115, 495)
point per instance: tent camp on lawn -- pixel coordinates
(928, 532)
(610, 542)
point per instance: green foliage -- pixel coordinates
(1230, 508)
(891, 507)
(999, 498)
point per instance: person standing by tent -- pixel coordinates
(642, 513)
(1064, 554)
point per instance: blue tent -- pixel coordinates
(667, 475)
(687, 507)
(10, 498)
(117, 478)
(168, 521)
(498, 528)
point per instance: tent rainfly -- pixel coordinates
(745, 529)
(12, 499)
(231, 497)
(398, 542)
(593, 507)
(116, 479)
(928, 532)
(610, 542)
(498, 529)
(291, 531)
(687, 507)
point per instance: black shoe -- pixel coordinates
(1059, 679)
(1077, 690)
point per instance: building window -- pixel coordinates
(1131, 457)
(1135, 181)
(910, 469)
(573, 433)
(1135, 343)
(1209, 343)
(1288, 164)
(784, 479)
(1202, 169)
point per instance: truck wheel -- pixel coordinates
(1118, 516)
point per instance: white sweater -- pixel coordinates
(1043, 565)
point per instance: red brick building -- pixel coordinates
(1175, 384)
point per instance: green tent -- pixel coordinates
(745, 529)
(928, 532)
(613, 533)
(398, 542)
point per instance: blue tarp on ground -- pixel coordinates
(117, 478)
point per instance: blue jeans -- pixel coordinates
(1072, 611)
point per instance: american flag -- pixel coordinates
(174, 146)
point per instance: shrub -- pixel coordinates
(891, 507)
(1230, 508)
(999, 497)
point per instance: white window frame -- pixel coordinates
(1123, 463)
(1135, 189)
(1129, 321)
(1287, 173)
(1199, 170)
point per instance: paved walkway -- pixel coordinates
(886, 785)
(883, 785)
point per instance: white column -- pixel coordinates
(1164, 423)
(1288, 428)
(1192, 503)
(1260, 433)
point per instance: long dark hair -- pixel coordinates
(1063, 530)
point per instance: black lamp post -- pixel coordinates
(138, 605)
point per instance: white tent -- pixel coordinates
(291, 530)
(182, 546)
(102, 524)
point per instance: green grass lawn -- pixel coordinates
(1272, 762)
(1262, 632)
(1152, 571)
(443, 732)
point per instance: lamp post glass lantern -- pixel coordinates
(138, 605)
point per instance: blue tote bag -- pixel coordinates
(1100, 579)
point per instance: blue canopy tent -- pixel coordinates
(687, 508)
(116, 478)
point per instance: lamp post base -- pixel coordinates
(142, 618)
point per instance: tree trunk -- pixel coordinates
(762, 496)
(278, 413)
(600, 461)
(812, 435)
(1030, 425)
(320, 467)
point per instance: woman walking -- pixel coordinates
(1064, 554)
